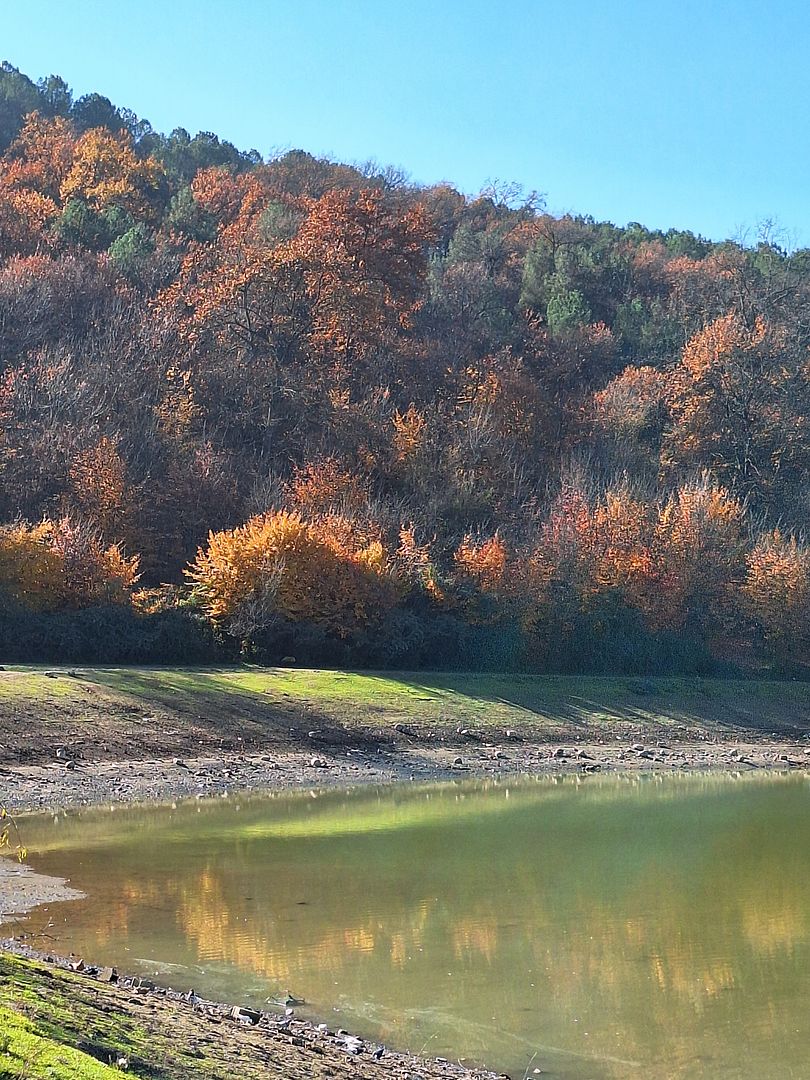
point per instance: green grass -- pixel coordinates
(486, 700)
(257, 706)
(26, 1054)
(43, 1021)
(56, 1025)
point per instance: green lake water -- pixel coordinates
(610, 928)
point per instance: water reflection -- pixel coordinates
(622, 927)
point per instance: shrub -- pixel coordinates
(278, 565)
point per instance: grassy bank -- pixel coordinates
(116, 713)
(57, 1025)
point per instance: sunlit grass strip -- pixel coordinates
(24, 1053)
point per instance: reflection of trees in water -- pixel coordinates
(683, 921)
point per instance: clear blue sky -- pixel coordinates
(686, 114)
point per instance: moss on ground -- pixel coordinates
(46, 1030)
(61, 1026)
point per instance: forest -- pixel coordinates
(297, 408)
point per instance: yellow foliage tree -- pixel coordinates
(24, 217)
(106, 171)
(30, 570)
(41, 156)
(99, 487)
(277, 564)
(62, 564)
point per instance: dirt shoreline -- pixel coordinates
(22, 889)
(58, 785)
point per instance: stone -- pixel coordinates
(244, 1015)
(107, 975)
(318, 763)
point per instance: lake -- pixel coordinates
(596, 929)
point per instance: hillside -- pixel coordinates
(298, 407)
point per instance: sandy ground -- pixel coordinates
(21, 889)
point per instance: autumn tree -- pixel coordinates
(776, 594)
(278, 565)
(62, 564)
(107, 172)
(739, 405)
(41, 156)
(364, 266)
(700, 549)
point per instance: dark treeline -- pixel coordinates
(298, 407)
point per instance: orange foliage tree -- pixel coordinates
(700, 550)
(277, 564)
(738, 405)
(31, 173)
(591, 545)
(24, 217)
(483, 582)
(99, 487)
(364, 265)
(776, 594)
(62, 564)
(325, 486)
(41, 156)
(353, 272)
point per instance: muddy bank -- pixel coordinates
(58, 784)
(22, 889)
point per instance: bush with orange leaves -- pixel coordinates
(279, 565)
(700, 549)
(776, 593)
(678, 564)
(62, 564)
(483, 586)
